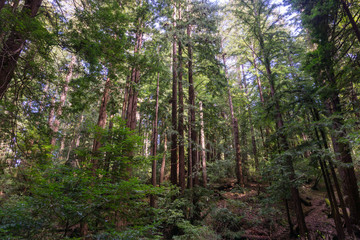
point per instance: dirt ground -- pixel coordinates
(258, 223)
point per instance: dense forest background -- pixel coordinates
(179, 119)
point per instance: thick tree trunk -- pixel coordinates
(174, 144)
(343, 151)
(202, 141)
(133, 92)
(101, 124)
(192, 129)
(181, 119)
(63, 96)
(13, 46)
(154, 142)
(234, 121)
(163, 162)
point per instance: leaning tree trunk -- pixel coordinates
(351, 19)
(13, 46)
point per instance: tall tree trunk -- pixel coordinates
(202, 141)
(283, 141)
(154, 142)
(163, 162)
(258, 81)
(192, 119)
(126, 97)
(343, 151)
(101, 124)
(234, 121)
(63, 96)
(13, 46)
(253, 141)
(133, 92)
(174, 144)
(181, 117)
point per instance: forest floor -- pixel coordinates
(265, 221)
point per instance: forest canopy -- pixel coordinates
(181, 119)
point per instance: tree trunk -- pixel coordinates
(253, 141)
(202, 141)
(154, 142)
(133, 92)
(342, 149)
(283, 140)
(63, 96)
(238, 170)
(181, 118)
(163, 162)
(13, 46)
(192, 129)
(351, 19)
(174, 144)
(101, 124)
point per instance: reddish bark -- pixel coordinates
(181, 121)
(154, 142)
(132, 91)
(163, 162)
(13, 46)
(174, 144)
(63, 96)
(101, 123)
(192, 168)
(202, 141)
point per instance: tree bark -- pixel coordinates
(133, 92)
(192, 129)
(163, 162)
(154, 142)
(174, 143)
(101, 124)
(202, 141)
(234, 121)
(343, 151)
(63, 96)
(13, 46)
(283, 140)
(181, 117)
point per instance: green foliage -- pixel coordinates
(193, 232)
